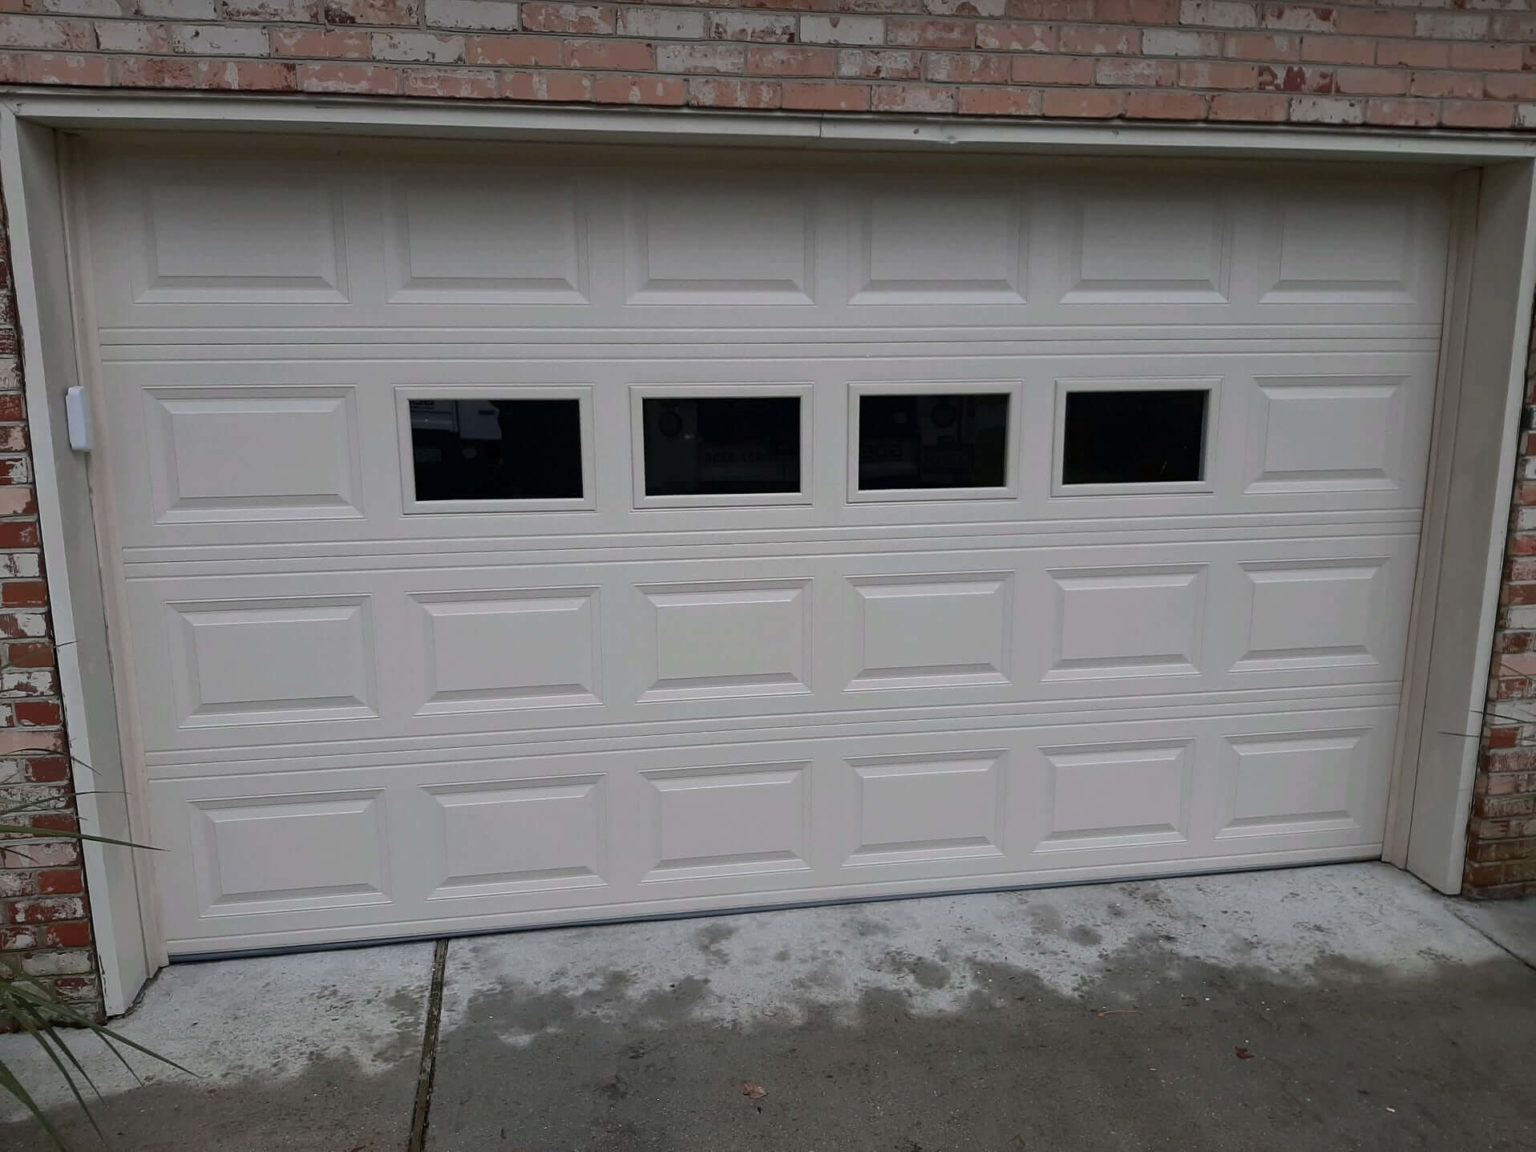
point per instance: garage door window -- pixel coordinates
(943, 441)
(469, 452)
(721, 448)
(1113, 437)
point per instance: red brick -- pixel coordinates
(967, 68)
(1488, 57)
(1371, 81)
(1476, 114)
(609, 55)
(1099, 41)
(559, 87)
(61, 881)
(777, 60)
(1446, 84)
(23, 593)
(1260, 46)
(813, 96)
(999, 102)
(1368, 22)
(343, 12)
(1052, 70)
(1253, 107)
(1510, 86)
(370, 79)
(582, 19)
(925, 98)
(1084, 104)
(29, 654)
(1124, 73)
(1149, 105)
(513, 51)
(1402, 113)
(450, 83)
(1337, 50)
(723, 92)
(65, 68)
(1412, 54)
(320, 43)
(931, 33)
(1016, 37)
(1296, 78)
(613, 88)
(880, 64)
(1217, 74)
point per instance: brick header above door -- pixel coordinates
(1403, 63)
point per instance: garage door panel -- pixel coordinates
(300, 239)
(623, 833)
(295, 657)
(320, 453)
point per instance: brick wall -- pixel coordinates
(44, 930)
(1409, 63)
(1414, 63)
(1501, 841)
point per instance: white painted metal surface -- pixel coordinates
(360, 717)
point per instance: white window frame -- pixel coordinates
(640, 393)
(1210, 385)
(581, 393)
(1008, 490)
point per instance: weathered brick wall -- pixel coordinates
(1413, 63)
(1408, 63)
(44, 930)
(1501, 840)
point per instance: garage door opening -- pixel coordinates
(517, 536)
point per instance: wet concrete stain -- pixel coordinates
(710, 937)
(928, 973)
(1142, 1056)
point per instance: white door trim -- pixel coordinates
(1465, 519)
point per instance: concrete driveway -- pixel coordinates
(1342, 1007)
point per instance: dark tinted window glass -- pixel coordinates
(1133, 437)
(722, 444)
(496, 449)
(943, 441)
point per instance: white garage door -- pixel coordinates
(522, 537)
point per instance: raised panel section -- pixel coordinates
(503, 238)
(520, 836)
(729, 821)
(1131, 247)
(1340, 245)
(1286, 784)
(729, 639)
(264, 237)
(933, 630)
(721, 242)
(525, 649)
(270, 661)
(1118, 796)
(1326, 434)
(1127, 622)
(916, 808)
(222, 454)
(276, 853)
(939, 247)
(1313, 614)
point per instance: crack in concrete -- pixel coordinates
(426, 1074)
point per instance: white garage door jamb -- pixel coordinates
(1483, 374)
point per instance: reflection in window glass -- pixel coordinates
(1142, 437)
(937, 441)
(720, 445)
(496, 449)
